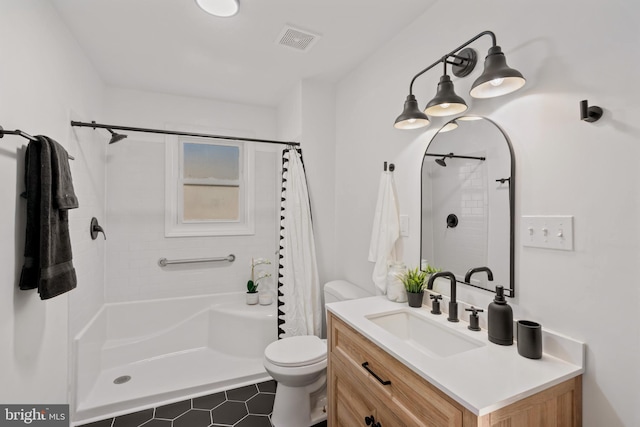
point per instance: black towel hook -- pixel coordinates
(589, 113)
(95, 228)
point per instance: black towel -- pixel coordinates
(47, 265)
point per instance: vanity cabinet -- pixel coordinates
(369, 387)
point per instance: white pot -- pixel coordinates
(252, 298)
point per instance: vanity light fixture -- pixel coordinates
(222, 8)
(446, 101)
(411, 117)
(497, 79)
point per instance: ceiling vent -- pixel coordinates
(297, 39)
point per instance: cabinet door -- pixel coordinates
(348, 405)
(557, 406)
(395, 416)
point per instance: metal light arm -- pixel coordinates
(453, 54)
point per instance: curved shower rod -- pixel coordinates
(110, 128)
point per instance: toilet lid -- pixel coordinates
(296, 351)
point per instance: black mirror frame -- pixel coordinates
(510, 291)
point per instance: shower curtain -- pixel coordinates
(299, 299)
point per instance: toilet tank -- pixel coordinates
(341, 290)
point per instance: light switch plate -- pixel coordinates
(404, 225)
(549, 232)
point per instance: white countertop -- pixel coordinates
(482, 379)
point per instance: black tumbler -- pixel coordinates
(529, 336)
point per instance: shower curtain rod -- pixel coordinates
(173, 132)
(25, 135)
(454, 156)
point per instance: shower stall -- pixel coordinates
(173, 330)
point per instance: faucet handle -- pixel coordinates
(435, 305)
(474, 310)
(474, 321)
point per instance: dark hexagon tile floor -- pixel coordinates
(248, 406)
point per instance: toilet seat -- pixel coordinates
(296, 351)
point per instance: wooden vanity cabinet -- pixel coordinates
(360, 395)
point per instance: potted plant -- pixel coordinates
(252, 284)
(414, 281)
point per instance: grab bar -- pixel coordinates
(163, 262)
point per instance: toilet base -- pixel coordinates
(319, 406)
(292, 408)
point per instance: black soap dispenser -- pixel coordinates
(500, 319)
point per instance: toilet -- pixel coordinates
(299, 366)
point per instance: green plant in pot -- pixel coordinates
(414, 282)
(252, 284)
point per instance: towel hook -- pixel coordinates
(95, 228)
(588, 113)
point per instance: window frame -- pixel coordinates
(175, 226)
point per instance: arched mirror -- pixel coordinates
(468, 196)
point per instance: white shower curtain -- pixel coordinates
(299, 301)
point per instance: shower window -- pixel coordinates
(210, 191)
(210, 182)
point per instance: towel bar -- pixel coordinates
(25, 135)
(163, 262)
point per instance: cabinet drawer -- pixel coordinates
(354, 403)
(418, 402)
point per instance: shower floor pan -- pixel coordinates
(171, 350)
(167, 379)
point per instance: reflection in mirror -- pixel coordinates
(468, 194)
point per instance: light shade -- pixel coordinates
(223, 8)
(446, 102)
(411, 117)
(498, 78)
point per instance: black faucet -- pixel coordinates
(453, 304)
(467, 277)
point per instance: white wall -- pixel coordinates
(289, 115)
(568, 51)
(136, 193)
(45, 80)
(319, 148)
(307, 115)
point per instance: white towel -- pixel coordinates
(386, 231)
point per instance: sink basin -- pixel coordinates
(424, 334)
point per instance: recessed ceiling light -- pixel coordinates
(223, 8)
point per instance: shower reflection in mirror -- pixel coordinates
(468, 173)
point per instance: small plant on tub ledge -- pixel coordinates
(252, 284)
